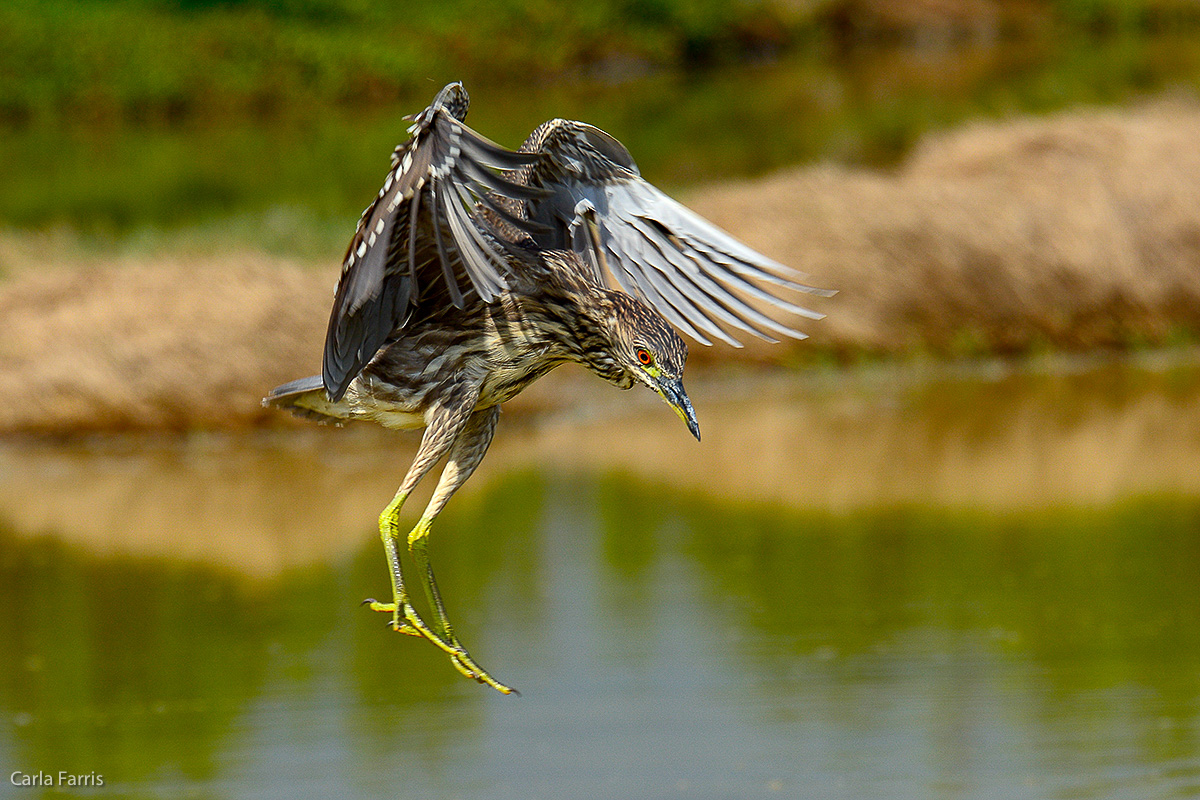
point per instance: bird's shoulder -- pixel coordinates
(570, 150)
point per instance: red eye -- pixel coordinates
(644, 357)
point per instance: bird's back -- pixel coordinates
(499, 347)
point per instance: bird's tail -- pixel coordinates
(306, 398)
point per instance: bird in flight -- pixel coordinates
(477, 270)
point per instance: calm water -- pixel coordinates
(182, 618)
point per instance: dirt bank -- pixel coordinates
(1074, 232)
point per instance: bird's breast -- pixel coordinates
(514, 366)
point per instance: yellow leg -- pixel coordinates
(446, 640)
(465, 434)
(404, 618)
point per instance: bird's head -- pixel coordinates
(648, 350)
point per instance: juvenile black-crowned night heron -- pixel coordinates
(477, 270)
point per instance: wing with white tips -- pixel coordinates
(421, 229)
(699, 277)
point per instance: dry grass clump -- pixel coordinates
(175, 344)
(1075, 232)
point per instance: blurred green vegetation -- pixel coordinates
(161, 60)
(165, 60)
(269, 122)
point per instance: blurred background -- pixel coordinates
(947, 547)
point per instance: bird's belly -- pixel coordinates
(388, 404)
(396, 419)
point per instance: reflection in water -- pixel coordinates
(665, 646)
(669, 645)
(989, 438)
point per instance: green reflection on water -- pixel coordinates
(107, 662)
(688, 643)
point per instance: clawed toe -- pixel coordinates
(407, 623)
(406, 620)
(466, 665)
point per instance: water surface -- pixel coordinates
(182, 617)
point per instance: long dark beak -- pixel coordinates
(677, 399)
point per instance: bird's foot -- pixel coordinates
(406, 620)
(466, 665)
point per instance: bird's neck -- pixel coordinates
(593, 342)
(567, 318)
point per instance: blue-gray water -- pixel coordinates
(182, 618)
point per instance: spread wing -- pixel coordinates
(421, 228)
(699, 277)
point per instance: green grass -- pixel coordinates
(162, 61)
(132, 120)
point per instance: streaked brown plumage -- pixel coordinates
(477, 270)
